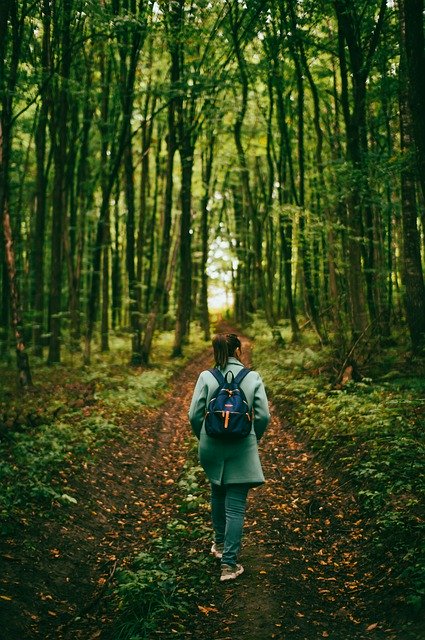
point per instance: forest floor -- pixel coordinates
(309, 569)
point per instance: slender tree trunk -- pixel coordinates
(166, 236)
(133, 284)
(104, 331)
(84, 198)
(59, 133)
(21, 354)
(412, 16)
(208, 158)
(241, 285)
(358, 313)
(116, 261)
(41, 192)
(5, 308)
(185, 275)
(144, 230)
(414, 289)
(151, 252)
(7, 90)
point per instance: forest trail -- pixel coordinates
(305, 573)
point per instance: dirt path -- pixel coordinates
(308, 567)
(307, 574)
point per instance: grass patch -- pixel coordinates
(371, 432)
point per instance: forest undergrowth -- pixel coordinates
(334, 539)
(370, 433)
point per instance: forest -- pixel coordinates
(173, 168)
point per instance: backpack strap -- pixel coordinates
(241, 375)
(217, 375)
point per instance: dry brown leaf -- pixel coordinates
(207, 610)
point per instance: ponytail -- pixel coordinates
(221, 352)
(224, 346)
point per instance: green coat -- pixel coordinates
(236, 461)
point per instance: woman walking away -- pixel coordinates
(229, 413)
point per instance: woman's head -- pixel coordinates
(225, 346)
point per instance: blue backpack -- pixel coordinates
(228, 415)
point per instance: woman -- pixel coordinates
(232, 467)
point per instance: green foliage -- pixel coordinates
(372, 432)
(65, 424)
(31, 462)
(166, 579)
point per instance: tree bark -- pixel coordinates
(7, 89)
(41, 189)
(412, 16)
(414, 289)
(59, 135)
(116, 261)
(159, 292)
(207, 165)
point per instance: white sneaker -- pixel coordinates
(229, 572)
(217, 550)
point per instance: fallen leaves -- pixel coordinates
(207, 610)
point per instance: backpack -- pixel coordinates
(228, 415)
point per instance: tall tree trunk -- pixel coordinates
(7, 91)
(41, 189)
(185, 257)
(133, 284)
(207, 164)
(5, 307)
(116, 261)
(151, 252)
(59, 134)
(412, 16)
(186, 138)
(357, 301)
(241, 284)
(414, 289)
(144, 229)
(166, 234)
(84, 198)
(104, 331)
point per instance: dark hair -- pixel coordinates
(225, 345)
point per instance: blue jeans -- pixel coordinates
(228, 511)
